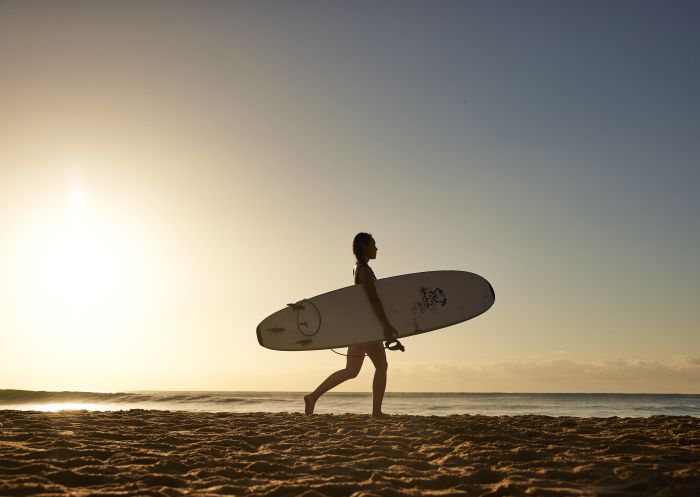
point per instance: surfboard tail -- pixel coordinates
(257, 331)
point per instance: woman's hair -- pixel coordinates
(357, 243)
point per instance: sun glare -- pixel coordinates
(65, 406)
(79, 274)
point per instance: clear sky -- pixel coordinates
(171, 173)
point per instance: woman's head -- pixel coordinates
(364, 247)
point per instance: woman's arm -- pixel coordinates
(367, 283)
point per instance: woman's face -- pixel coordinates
(370, 250)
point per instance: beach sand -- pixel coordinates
(141, 452)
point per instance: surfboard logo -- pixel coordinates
(433, 297)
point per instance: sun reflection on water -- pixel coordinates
(65, 406)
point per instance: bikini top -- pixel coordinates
(356, 273)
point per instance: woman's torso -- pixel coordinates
(357, 272)
(364, 348)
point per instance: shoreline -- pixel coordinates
(414, 403)
(170, 453)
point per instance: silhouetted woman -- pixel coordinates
(364, 248)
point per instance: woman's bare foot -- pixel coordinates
(378, 415)
(309, 404)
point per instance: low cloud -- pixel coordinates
(677, 375)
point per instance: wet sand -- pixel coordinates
(167, 453)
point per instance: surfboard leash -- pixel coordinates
(388, 344)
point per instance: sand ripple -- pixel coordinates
(164, 453)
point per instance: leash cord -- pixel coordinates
(389, 344)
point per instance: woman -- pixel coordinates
(364, 248)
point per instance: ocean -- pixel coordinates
(425, 404)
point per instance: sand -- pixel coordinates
(141, 452)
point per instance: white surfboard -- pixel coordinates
(414, 303)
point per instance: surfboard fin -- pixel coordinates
(297, 307)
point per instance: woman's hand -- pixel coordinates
(390, 333)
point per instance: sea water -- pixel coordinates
(425, 404)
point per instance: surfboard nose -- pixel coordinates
(493, 294)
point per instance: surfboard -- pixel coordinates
(414, 303)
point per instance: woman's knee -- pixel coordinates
(352, 372)
(382, 366)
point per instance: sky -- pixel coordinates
(173, 172)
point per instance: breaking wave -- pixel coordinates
(427, 403)
(16, 397)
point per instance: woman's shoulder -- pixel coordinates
(362, 269)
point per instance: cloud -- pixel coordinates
(676, 375)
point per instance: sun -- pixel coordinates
(72, 260)
(79, 275)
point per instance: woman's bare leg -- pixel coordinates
(376, 352)
(356, 355)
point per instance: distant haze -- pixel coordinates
(173, 172)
